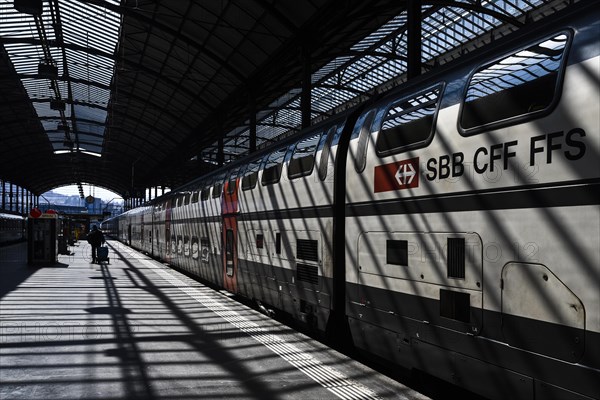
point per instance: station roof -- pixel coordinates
(132, 94)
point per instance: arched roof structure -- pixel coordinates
(136, 93)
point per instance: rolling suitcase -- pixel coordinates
(103, 255)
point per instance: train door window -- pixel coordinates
(362, 131)
(218, 185)
(272, 167)
(525, 84)
(229, 251)
(303, 157)
(232, 180)
(251, 175)
(409, 123)
(325, 147)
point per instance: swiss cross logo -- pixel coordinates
(397, 176)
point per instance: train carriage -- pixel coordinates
(472, 221)
(450, 226)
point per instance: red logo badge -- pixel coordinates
(397, 176)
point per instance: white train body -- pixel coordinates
(452, 226)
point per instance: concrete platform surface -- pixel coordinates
(136, 329)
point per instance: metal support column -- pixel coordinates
(306, 98)
(414, 39)
(220, 153)
(17, 198)
(252, 144)
(3, 194)
(10, 198)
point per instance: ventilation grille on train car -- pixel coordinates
(307, 273)
(455, 305)
(307, 250)
(456, 258)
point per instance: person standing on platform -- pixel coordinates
(95, 238)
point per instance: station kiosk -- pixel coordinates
(42, 238)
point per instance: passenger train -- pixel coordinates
(12, 228)
(451, 226)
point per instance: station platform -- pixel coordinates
(137, 329)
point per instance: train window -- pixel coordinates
(272, 167)
(195, 248)
(278, 243)
(303, 157)
(455, 258)
(325, 147)
(204, 248)
(195, 196)
(396, 252)
(205, 194)
(186, 198)
(362, 131)
(525, 84)
(217, 189)
(251, 175)
(231, 185)
(409, 123)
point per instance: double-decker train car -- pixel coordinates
(451, 226)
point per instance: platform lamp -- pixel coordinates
(33, 7)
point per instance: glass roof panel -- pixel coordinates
(86, 78)
(443, 30)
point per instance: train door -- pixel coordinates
(167, 243)
(229, 253)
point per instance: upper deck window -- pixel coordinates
(272, 167)
(325, 147)
(251, 175)
(409, 122)
(362, 132)
(205, 194)
(195, 197)
(525, 84)
(217, 189)
(303, 158)
(218, 185)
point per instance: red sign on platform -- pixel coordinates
(397, 176)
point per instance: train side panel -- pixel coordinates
(472, 254)
(285, 228)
